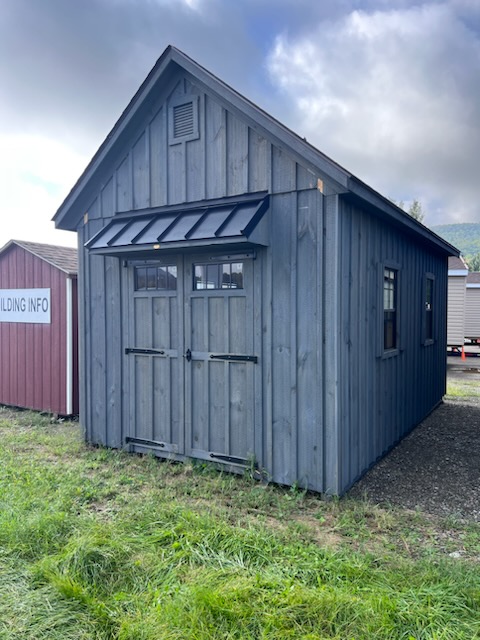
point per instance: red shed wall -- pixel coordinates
(33, 356)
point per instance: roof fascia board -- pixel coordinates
(6, 247)
(458, 272)
(473, 286)
(360, 190)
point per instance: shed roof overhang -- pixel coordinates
(239, 222)
(367, 198)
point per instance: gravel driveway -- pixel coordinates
(437, 466)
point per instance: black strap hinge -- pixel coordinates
(157, 352)
(234, 358)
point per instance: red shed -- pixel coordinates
(39, 327)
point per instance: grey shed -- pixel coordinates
(243, 298)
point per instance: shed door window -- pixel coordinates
(219, 275)
(429, 309)
(390, 283)
(156, 278)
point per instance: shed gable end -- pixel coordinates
(194, 148)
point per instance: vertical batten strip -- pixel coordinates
(293, 219)
(226, 342)
(330, 288)
(320, 396)
(148, 161)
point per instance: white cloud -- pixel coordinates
(394, 96)
(36, 174)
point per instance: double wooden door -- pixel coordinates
(192, 357)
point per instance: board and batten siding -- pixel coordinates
(472, 312)
(102, 319)
(229, 158)
(379, 400)
(293, 293)
(456, 310)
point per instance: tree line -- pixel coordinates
(458, 239)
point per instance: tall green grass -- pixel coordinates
(98, 544)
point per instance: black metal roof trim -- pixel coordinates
(180, 226)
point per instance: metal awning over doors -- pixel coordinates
(229, 221)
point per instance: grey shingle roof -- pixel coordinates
(473, 277)
(64, 258)
(456, 263)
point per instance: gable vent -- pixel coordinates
(183, 124)
(183, 120)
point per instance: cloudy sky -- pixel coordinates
(390, 89)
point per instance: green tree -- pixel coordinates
(473, 262)
(416, 211)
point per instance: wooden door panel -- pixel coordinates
(193, 369)
(156, 375)
(219, 389)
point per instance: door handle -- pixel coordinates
(188, 355)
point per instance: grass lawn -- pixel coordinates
(98, 544)
(463, 388)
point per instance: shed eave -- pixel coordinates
(360, 193)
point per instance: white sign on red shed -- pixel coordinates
(25, 305)
(38, 327)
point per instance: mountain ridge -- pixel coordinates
(464, 235)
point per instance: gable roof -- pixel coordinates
(63, 258)
(458, 265)
(473, 278)
(342, 181)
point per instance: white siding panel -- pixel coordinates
(456, 310)
(472, 313)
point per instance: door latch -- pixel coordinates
(188, 355)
